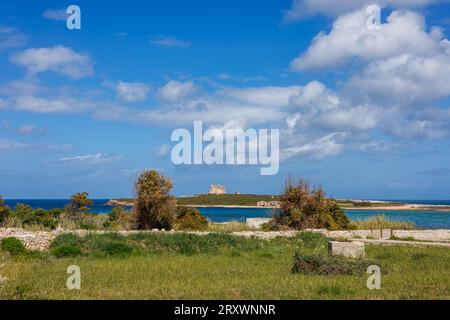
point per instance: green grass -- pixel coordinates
(218, 266)
(232, 226)
(225, 199)
(383, 222)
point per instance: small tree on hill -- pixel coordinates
(155, 207)
(80, 203)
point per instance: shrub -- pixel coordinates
(190, 219)
(67, 239)
(111, 244)
(154, 205)
(120, 219)
(66, 250)
(328, 265)
(4, 210)
(120, 249)
(302, 207)
(12, 245)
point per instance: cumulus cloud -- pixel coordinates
(175, 91)
(58, 59)
(350, 38)
(403, 80)
(302, 9)
(131, 92)
(169, 42)
(30, 96)
(11, 38)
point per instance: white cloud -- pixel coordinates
(31, 129)
(403, 80)
(132, 92)
(301, 9)
(55, 14)
(323, 147)
(175, 91)
(9, 145)
(163, 151)
(93, 159)
(263, 96)
(350, 38)
(58, 59)
(11, 38)
(31, 97)
(169, 42)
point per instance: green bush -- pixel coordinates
(120, 249)
(328, 265)
(188, 218)
(66, 250)
(303, 207)
(67, 239)
(29, 217)
(12, 245)
(4, 210)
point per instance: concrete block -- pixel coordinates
(353, 249)
(376, 233)
(386, 234)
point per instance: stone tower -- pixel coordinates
(217, 189)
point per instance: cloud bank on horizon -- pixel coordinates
(351, 92)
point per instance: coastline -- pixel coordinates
(386, 206)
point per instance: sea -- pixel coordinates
(422, 219)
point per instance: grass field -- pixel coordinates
(218, 267)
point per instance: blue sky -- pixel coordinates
(363, 113)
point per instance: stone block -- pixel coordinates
(386, 234)
(353, 249)
(376, 233)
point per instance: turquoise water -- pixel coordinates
(423, 219)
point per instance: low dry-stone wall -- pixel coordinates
(40, 240)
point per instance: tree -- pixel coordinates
(154, 205)
(80, 203)
(4, 210)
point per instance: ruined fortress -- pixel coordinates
(217, 189)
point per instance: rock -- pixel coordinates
(346, 249)
(256, 222)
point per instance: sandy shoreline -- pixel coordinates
(404, 207)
